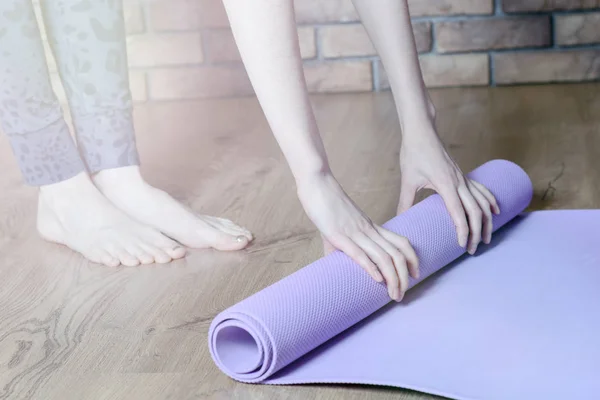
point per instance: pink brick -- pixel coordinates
(494, 33)
(420, 8)
(572, 29)
(306, 36)
(455, 70)
(199, 82)
(344, 76)
(345, 41)
(449, 70)
(164, 49)
(549, 66)
(547, 5)
(221, 47)
(322, 11)
(134, 17)
(348, 40)
(182, 15)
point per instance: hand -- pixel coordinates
(343, 226)
(425, 163)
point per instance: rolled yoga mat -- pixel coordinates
(491, 326)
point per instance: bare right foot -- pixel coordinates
(74, 213)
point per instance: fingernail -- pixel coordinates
(399, 296)
(378, 277)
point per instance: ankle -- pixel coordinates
(115, 177)
(76, 185)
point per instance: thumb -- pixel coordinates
(407, 197)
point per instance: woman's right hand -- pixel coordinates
(343, 226)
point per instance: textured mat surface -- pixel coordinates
(496, 325)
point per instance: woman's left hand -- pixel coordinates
(425, 163)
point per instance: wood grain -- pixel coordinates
(73, 330)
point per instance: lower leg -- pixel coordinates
(71, 209)
(88, 41)
(98, 90)
(30, 113)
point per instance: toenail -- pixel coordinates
(240, 239)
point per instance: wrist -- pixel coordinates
(418, 129)
(309, 171)
(420, 140)
(414, 107)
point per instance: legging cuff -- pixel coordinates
(106, 139)
(47, 156)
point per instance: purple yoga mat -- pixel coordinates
(491, 326)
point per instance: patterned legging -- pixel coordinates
(87, 38)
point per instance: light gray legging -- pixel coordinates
(88, 41)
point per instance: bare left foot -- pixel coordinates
(127, 190)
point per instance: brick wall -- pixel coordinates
(185, 49)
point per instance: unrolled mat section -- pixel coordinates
(266, 332)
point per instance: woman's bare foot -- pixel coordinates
(76, 214)
(126, 188)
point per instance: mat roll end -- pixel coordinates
(241, 348)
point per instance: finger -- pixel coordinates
(457, 213)
(346, 245)
(407, 197)
(488, 195)
(474, 215)
(398, 259)
(383, 261)
(484, 205)
(402, 244)
(328, 248)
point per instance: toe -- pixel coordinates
(109, 260)
(221, 240)
(232, 228)
(142, 255)
(160, 256)
(101, 256)
(237, 232)
(128, 259)
(167, 246)
(176, 253)
(94, 255)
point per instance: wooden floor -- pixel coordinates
(73, 330)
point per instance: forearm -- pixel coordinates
(388, 25)
(265, 32)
